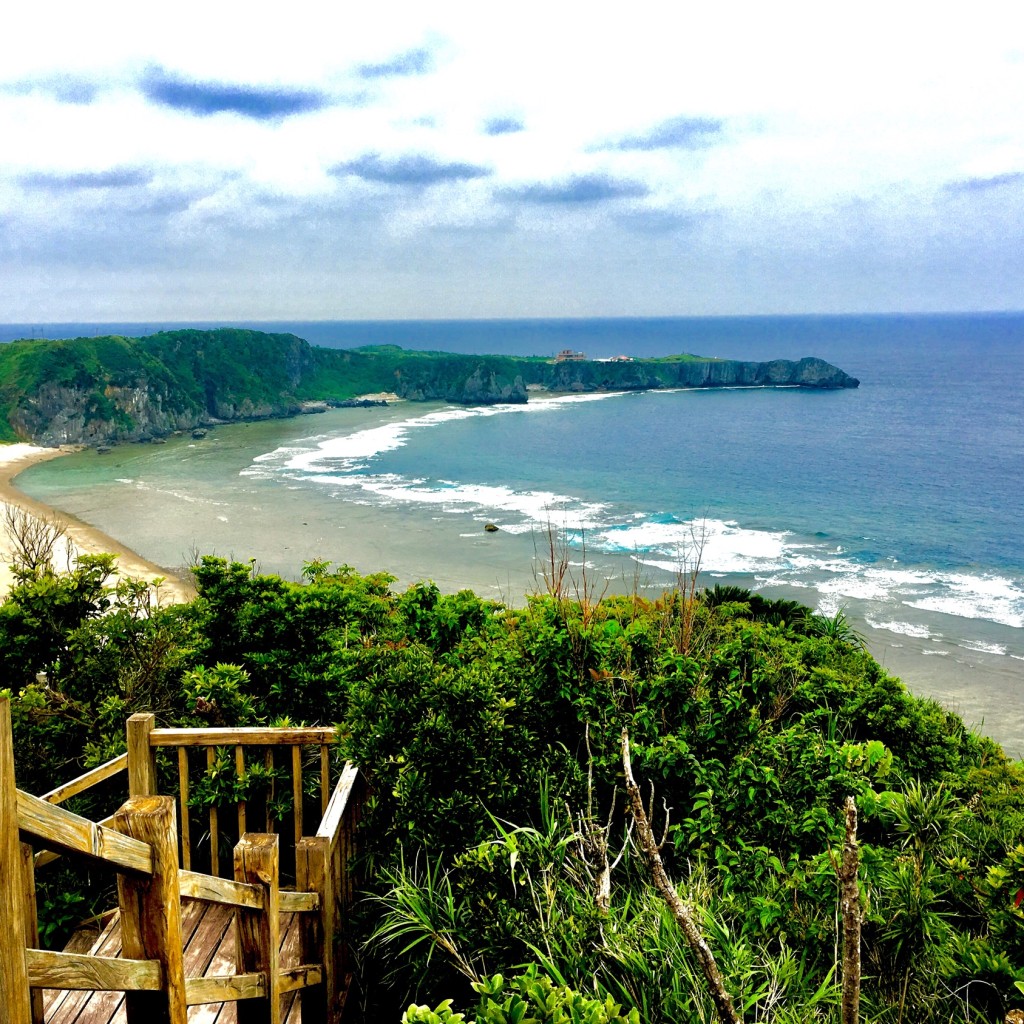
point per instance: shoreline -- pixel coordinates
(84, 538)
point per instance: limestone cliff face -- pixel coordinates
(57, 415)
(482, 387)
(643, 375)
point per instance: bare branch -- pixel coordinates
(696, 941)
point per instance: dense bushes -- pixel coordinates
(490, 736)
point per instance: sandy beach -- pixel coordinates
(85, 539)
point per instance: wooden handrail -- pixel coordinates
(250, 736)
(72, 833)
(86, 781)
(331, 823)
(47, 969)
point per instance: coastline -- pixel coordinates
(84, 538)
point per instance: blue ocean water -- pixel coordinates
(899, 501)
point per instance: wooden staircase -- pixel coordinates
(183, 945)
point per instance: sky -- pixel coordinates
(247, 161)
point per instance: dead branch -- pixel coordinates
(849, 903)
(33, 540)
(694, 939)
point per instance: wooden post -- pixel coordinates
(320, 931)
(259, 932)
(141, 758)
(15, 999)
(151, 910)
(28, 887)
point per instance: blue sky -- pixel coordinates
(203, 161)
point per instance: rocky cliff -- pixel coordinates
(101, 390)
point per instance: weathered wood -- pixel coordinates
(300, 978)
(228, 988)
(220, 890)
(250, 736)
(339, 801)
(240, 775)
(852, 914)
(44, 857)
(236, 987)
(15, 1000)
(297, 791)
(141, 760)
(211, 757)
(186, 839)
(72, 833)
(28, 889)
(47, 969)
(325, 778)
(320, 932)
(268, 762)
(86, 781)
(298, 902)
(257, 861)
(151, 911)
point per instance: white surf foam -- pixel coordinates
(903, 628)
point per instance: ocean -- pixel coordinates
(898, 502)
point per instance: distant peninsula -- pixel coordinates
(103, 390)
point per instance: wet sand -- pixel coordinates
(84, 539)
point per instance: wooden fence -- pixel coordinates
(141, 841)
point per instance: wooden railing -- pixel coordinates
(141, 842)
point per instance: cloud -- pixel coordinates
(582, 188)
(675, 133)
(412, 62)
(117, 177)
(985, 184)
(503, 125)
(207, 98)
(64, 88)
(414, 169)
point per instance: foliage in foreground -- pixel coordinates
(490, 737)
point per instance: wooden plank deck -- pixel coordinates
(208, 933)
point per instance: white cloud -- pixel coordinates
(850, 115)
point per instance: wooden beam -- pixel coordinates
(228, 988)
(299, 902)
(325, 778)
(28, 888)
(186, 841)
(339, 800)
(221, 890)
(15, 998)
(47, 969)
(297, 792)
(257, 861)
(211, 758)
(249, 736)
(300, 978)
(320, 932)
(71, 833)
(231, 988)
(141, 760)
(151, 911)
(44, 857)
(86, 781)
(240, 775)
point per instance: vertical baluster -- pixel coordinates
(325, 778)
(186, 842)
(240, 775)
(211, 756)
(268, 760)
(297, 791)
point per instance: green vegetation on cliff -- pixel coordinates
(94, 390)
(491, 738)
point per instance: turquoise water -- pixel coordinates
(899, 501)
